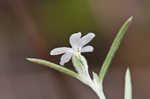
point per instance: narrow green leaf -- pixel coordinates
(128, 85)
(113, 49)
(54, 66)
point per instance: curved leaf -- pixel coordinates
(113, 49)
(54, 66)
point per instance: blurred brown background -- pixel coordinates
(31, 28)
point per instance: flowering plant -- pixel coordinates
(80, 64)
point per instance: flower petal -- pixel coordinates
(87, 49)
(65, 58)
(75, 39)
(60, 50)
(86, 39)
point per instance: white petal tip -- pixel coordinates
(92, 34)
(61, 63)
(78, 33)
(60, 50)
(52, 52)
(65, 58)
(87, 49)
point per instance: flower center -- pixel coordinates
(77, 52)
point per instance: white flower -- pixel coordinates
(78, 45)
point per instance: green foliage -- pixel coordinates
(54, 66)
(128, 85)
(113, 49)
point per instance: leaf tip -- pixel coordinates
(30, 59)
(128, 71)
(130, 18)
(128, 85)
